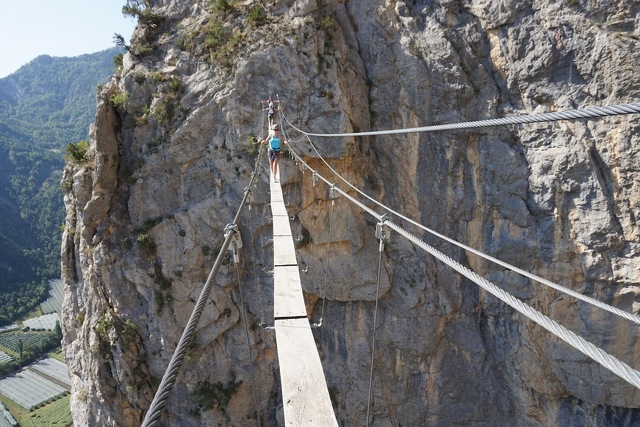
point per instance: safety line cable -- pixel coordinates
(168, 379)
(328, 264)
(375, 323)
(610, 362)
(255, 271)
(585, 113)
(590, 300)
(616, 366)
(246, 332)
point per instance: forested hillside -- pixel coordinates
(44, 106)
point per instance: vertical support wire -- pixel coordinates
(255, 271)
(375, 321)
(327, 268)
(246, 331)
(252, 229)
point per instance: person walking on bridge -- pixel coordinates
(275, 142)
(272, 110)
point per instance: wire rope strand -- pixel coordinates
(326, 271)
(252, 226)
(616, 366)
(255, 270)
(161, 396)
(608, 361)
(246, 331)
(585, 113)
(590, 300)
(375, 322)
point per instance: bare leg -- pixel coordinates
(272, 167)
(275, 167)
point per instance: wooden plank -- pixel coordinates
(305, 397)
(284, 253)
(278, 208)
(281, 225)
(306, 400)
(287, 291)
(276, 193)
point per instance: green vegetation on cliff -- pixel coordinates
(44, 106)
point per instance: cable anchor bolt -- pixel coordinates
(383, 232)
(314, 178)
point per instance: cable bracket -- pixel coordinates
(383, 232)
(236, 241)
(333, 194)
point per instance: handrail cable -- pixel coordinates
(584, 113)
(168, 379)
(590, 300)
(236, 260)
(608, 361)
(333, 196)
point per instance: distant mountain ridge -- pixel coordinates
(44, 105)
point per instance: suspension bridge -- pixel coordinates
(306, 400)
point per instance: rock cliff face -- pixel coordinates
(172, 155)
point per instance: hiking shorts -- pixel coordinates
(274, 155)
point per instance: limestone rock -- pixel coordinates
(145, 219)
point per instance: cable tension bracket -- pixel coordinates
(236, 241)
(383, 231)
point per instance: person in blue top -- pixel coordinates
(275, 142)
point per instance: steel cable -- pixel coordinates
(326, 271)
(246, 331)
(168, 380)
(585, 113)
(597, 303)
(608, 361)
(375, 324)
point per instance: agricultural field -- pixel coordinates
(47, 322)
(9, 328)
(6, 419)
(53, 369)
(56, 414)
(30, 340)
(56, 296)
(4, 357)
(30, 390)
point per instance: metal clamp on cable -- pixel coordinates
(249, 194)
(383, 232)
(236, 241)
(332, 192)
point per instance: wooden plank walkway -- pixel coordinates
(305, 397)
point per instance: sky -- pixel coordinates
(30, 28)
